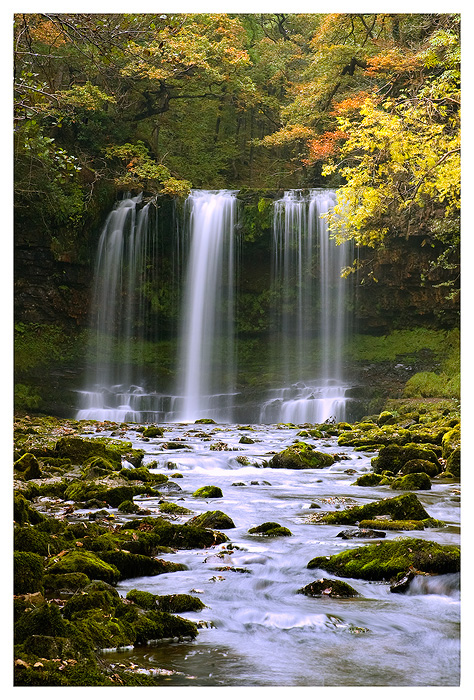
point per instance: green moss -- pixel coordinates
(45, 620)
(213, 519)
(66, 582)
(79, 450)
(414, 466)
(153, 431)
(330, 588)
(128, 507)
(84, 562)
(179, 536)
(30, 539)
(208, 492)
(143, 474)
(270, 529)
(404, 507)
(24, 513)
(28, 572)
(412, 482)
(394, 457)
(453, 463)
(451, 441)
(300, 456)
(177, 603)
(162, 625)
(393, 524)
(95, 595)
(369, 480)
(206, 421)
(174, 509)
(28, 466)
(386, 560)
(134, 565)
(115, 496)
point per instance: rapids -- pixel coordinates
(256, 629)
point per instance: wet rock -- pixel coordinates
(270, 529)
(404, 507)
(402, 585)
(361, 533)
(177, 603)
(331, 588)
(394, 457)
(416, 466)
(371, 479)
(28, 466)
(301, 456)
(28, 572)
(386, 560)
(208, 492)
(246, 440)
(134, 565)
(153, 431)
(418, 481)
(205, 421)
(83, 562)
(214, 519)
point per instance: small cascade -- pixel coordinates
(120, 323)
(310, 319)
(207, 346)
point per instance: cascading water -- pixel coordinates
(207, 348)
(311, 319)
(120, 319)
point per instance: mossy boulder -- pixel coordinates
(208, 492)
(45, 620)
(245, 440)
(67, 583)
(301, 456)
(117, 495)
(417, 481)
(28, 466)
(205, 421)
(79, 450)
(414, 466)
(453, 463)
(23, 512)
(28, 572)
(173, 509)
(81, 491)
(153, 431)
(162, 625)
(143, 474)
(97, 594)
(84, 562)
(389, 559)
(331, 588)
(393, 524)
(404, 507)
(213, 519)
(134, 565)
(393, 457)
(451, 441)
(167, 534)
(369, 480)
(30, 539)
(176, 603)
(128, 507)
(270, 529)
(47, 647)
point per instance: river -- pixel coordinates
(256, 629)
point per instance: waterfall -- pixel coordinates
(120, 321)
(207, 347)
(310, 320)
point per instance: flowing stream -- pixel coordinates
(256, 629)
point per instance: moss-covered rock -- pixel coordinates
(128, 507)
(28, 467)
(84, 562)
(404, 507)
(177, 603)
(393, 457)
(30, 539)
(167, 534)
(162, 625)
(134, 565)
(205, 421)
(24, 513)
(153, 431)
(245, 440)
(44, 620)
(174, 509)
(97, 594)
(117, 495)
(208, 492)
(270, 529)
(453, 463)
(451, 441)
(67, 583)
(369, 480)
(331, 588)
(417, 481)
(386, 560)
(79, 450)
(414, 466)
(301, 456)
(28, 572)
(143, 474)
(213, 519)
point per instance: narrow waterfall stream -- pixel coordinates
(256, 629)
(207, 349)
(311, 319)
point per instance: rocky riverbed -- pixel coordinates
(199, 554)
